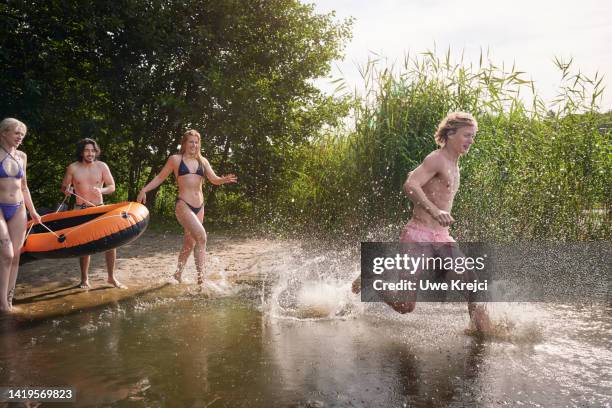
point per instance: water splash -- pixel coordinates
(515, 323)
(215, 281)
(316, 287)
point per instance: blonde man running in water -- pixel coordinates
(432, 187)
(90, 179)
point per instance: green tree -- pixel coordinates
(137, 73)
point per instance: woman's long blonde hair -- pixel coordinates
(192, 132)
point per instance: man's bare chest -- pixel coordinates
(88, 177)
(446, 181)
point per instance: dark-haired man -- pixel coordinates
(90, 179)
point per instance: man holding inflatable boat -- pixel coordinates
(89, 179)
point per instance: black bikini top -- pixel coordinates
(184, 170)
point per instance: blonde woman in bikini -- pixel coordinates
(189, 168)
(14, 199)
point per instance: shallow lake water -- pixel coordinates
(292, 338)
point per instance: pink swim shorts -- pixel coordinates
(417, 232)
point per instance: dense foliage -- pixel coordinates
(134, 74)
(535, 172)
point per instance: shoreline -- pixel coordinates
(50, 288)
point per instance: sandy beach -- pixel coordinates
(48, 288)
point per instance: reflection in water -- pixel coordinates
(194, 351)
(361, 363)
(300, 339)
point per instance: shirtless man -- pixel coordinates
(432, 187)
(90, 179)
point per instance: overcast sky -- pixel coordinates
(528, 32)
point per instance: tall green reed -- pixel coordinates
(535, 171)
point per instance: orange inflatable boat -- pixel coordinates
(85, 232)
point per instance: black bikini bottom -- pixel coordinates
(195, 210)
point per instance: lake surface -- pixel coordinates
(296, 337)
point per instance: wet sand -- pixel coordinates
(49, 288)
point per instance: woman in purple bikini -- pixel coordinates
(14, 193)
(189, 169)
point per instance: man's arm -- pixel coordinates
(413, 187)
(107, 179)
(67, 181)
